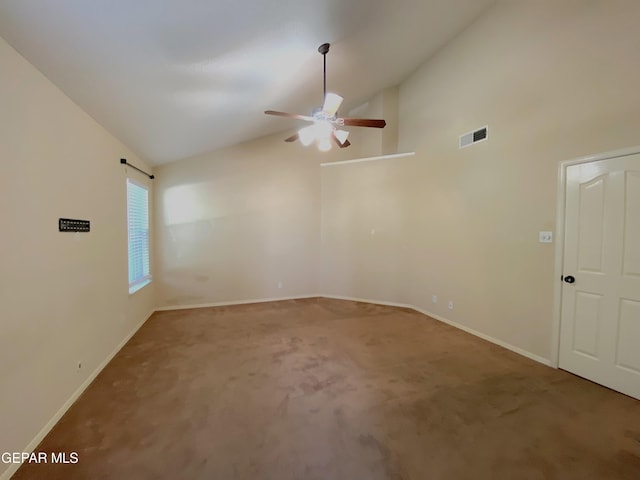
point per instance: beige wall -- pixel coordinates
(63, 297)
(554, 81)
(365, 230)
(233, 224)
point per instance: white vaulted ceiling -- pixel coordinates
(175, 78)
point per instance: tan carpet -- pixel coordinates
(328, 389)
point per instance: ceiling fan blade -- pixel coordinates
(292, 138)
(337, 141)
(289, 115)
(364, 122)
(332, 102)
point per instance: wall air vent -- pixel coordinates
(476, 136)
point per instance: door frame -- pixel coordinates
(559, 242)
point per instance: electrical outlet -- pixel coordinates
(434, 299)
(545, 237)
(279, 284)
(450, 304)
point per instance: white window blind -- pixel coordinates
(138, 226)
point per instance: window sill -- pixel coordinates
(139, 286)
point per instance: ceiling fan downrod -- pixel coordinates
(324, 49)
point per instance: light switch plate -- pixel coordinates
(545, 237)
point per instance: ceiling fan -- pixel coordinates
(325, 119)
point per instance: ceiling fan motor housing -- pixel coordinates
(319, 114)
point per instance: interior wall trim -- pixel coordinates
(368, 159)
(501, 343)
(508, 346)
(13, 467)
(235, 302)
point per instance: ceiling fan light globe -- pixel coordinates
(332, 102)
(342, 135)
(324, 145)
(323, 129)
(307, 135)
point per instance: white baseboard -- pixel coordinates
(368, 300)
(488, 338)
(234, 302)
(47, 428)
(508, 346)
(13, 467)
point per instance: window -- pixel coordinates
(138, 227)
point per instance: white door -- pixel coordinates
(600, 317)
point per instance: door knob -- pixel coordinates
(569, 279)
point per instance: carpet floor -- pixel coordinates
(328, 389)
